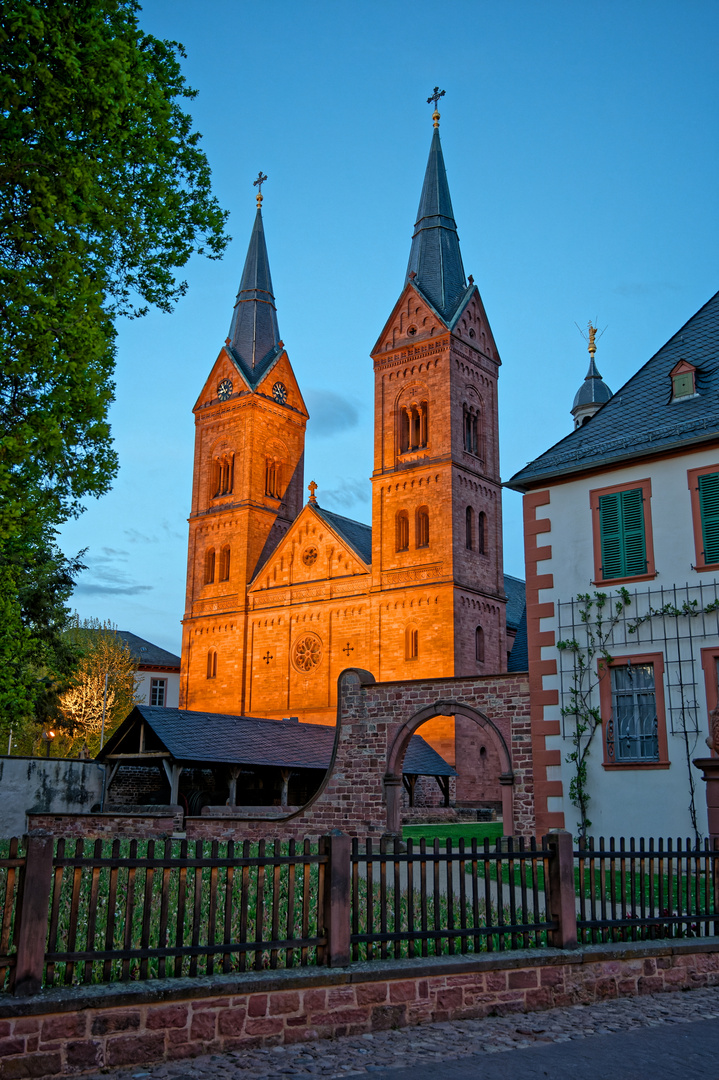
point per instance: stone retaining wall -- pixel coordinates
(68, 1031)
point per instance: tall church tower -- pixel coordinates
(247, 485)
(437, 529)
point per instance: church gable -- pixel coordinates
(224, 381)
(280, 384)
(471, 324)
(310, 552)
(413, 319)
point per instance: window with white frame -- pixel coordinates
(158, 691)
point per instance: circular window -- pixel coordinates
(307, 652)
(471, 332)
(411, 330)
(309, 556)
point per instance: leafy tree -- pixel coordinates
(104, 194)
(102, 653)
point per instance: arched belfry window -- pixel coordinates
(212, 664)
(482, 533)
(209, 566)
(422, 528)
(225, 563)
(472, 430)
(411, 643)
(469, 526)
(223, 478)
(413, 426)
(402, 531)
(273, 478)
(479, 644)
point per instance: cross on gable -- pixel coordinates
(435, 96)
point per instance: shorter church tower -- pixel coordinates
(247, 485)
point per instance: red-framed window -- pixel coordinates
(631, 695)
(622, 532)
(704, 490)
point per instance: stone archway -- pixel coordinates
(400, 742)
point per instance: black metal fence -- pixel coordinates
(634, 890)
(82, 911)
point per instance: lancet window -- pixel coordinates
(422, 527)
(209, 566)
(212, 664)
(225, 563)
(411, 643)
(469, 528)
(479, 644)
(402, 528)
(482, 533)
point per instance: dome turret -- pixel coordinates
(594, 392)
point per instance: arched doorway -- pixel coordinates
(398, 748)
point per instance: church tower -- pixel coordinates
(247, 484)
(437, 528)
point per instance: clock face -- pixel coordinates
(224, 389)
(279, 392)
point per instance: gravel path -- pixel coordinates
(438, 1043)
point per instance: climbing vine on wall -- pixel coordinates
(599, 615)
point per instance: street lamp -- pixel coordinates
(48, 736)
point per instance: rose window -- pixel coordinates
(309, 556)
(307, 653)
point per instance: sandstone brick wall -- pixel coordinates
(66, 1032)
(165, 821)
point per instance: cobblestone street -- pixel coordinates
(439, 1050)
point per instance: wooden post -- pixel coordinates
(561, 894)
(337, 898)
(285, 794)
(32, 914)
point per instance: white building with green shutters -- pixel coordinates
(622, 562)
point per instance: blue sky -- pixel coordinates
(582, 149)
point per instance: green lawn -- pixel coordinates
(466, 831)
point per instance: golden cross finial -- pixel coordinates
(258, 184)
(434, 97)
(312, 488)
(591, 348)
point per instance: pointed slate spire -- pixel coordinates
(254, 332)
(434, 257)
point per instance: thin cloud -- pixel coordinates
(135, 537)
(330, 412)
(95, 589)
(350, 494)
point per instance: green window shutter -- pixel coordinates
(610, 531)
(709, 507)
(635, 552)
(621, 525)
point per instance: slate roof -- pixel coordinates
(515, 589)
(217, 738)
(641, 418)
(254, 337)
(519, 656)
(355, 533)
(435, 257)
(147, 654)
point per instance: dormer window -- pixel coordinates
(683, 377)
